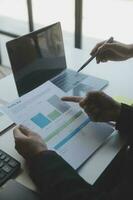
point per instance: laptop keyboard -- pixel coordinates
(68, 80)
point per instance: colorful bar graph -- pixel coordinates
(72, 134)
(61, 128)
(54, 115)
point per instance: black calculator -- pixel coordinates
(8, 167)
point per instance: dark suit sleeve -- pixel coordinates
(125, 123)
(56, 179)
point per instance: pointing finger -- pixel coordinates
(75, 99)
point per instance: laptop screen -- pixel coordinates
(37, 57)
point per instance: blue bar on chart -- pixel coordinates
(40, 120)
(72, 134)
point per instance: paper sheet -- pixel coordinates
(63, 126)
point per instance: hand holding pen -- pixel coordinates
(94, 53)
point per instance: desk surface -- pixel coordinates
(120, 79)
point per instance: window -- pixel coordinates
(13, 16)
(105, 18)
(14, 19)
(13, 22)
(48, 12)
(101, 19)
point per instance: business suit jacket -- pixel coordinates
(57, 180)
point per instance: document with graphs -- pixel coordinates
(63, 126)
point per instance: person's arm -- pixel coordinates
(53, 176)
(125, 122)
(56, 179)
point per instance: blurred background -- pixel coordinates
(81, 21)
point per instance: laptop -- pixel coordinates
(39, 56)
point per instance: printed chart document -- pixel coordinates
(64, 126)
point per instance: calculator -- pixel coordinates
(8, 167)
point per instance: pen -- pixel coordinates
(92, 57)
